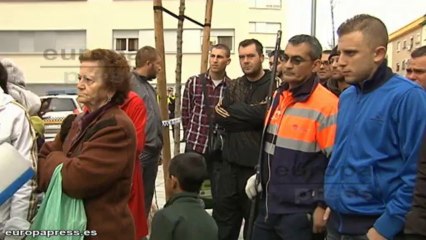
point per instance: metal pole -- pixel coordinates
(313, 17)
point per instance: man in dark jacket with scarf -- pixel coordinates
(415, 225)
(241, 113)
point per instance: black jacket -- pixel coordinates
(416, 217)
(245, 101)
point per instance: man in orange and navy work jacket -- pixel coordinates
(300, 130)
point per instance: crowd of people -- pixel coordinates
(332, 147)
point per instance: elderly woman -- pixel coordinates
(98, 153)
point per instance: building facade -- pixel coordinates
(403, 41)
(45, 37)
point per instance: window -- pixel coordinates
(397, 67)
(268, 50)
(133, 44)
(403, 65)
(418, 39)
(404, 45)
(132, 40)
(264, 27)
(398, 46)
(272, 4)
(120, 44)
(191, 40)
(224, 36)
(41, 41)
(411, 43)
(227, 40)
(126, 41)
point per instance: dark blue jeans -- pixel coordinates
(296, 226)
(149, 174)
(332, 234)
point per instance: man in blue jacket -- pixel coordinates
(380, 125)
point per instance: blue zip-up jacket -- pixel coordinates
(370, 178)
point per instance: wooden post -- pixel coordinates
(178, 76)
(206, 36)
(161, 86)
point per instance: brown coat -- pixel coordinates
(97, 168)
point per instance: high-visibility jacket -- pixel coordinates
(300, 130)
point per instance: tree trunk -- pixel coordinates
(178, 76)
(161, 85)
(206, 35)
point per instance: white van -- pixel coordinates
(53, 110)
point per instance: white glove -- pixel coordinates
(251, 188)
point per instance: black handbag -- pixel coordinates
(215, 142)
(215, 137)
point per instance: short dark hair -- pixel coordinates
(145, 54)
(247, 42)
(419, 52)
(3, 79)
(223, 47)
(371, 27)
(190, 169)
(116, 71)
(316, 49)
(280, 54)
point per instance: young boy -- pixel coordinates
(183, 217)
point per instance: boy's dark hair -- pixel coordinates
(3, 78)
(190, 169)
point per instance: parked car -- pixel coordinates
(53, 110)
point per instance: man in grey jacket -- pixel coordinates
(148, 64)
